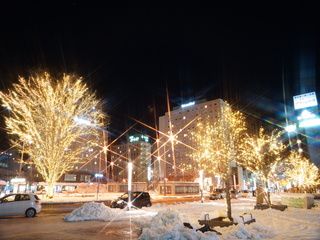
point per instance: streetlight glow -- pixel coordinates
(129, 184)
(291, 128)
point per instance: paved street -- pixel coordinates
(49, 225)
(53, 227)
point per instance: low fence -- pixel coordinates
(164, 188)
(176, 188)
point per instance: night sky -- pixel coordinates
(133, 52)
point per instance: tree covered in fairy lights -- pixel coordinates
(217, 145)
(53, 121)
(302, 172)
(260, 154)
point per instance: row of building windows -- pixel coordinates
(198, 107)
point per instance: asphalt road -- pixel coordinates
(49, 225)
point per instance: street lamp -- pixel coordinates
(111, 173)
(129, 184)
(201, 184)
(165, 187)
(98, 176)
(182, 175)
(291, 128)
(104, 149)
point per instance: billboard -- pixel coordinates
(305, 100)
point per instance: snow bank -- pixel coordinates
(161, 222)
(168, 224)
(254, 231)
(89, 211)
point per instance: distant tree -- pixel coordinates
(261, 154)
(302, 172)
(217, 143)
(53, 121)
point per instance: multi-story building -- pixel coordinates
(9, 165)
(138, 151)
(92, 165)
(175, 141)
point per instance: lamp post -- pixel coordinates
(165, 187)
(129, 184)
(111, 171)
(105, 149)
(182, 175)
(201, 184)
(98, 176)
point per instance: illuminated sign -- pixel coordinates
(138, 138)
(187, 104)
(308, 119)
(305, 100)
(18, 180)
(310, 122)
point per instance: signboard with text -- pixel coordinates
(305, 100)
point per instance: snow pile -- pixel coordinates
(254, 231)
(168, 224)
(89, 211)
(160, 205)
(161, 222)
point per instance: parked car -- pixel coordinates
(235, 193)
(217, 193)
(138, 199)
(20, 204)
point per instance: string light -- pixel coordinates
(45, 109)
(217, 144)
(302, 171)
(261, 154)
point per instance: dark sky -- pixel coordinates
(131, 52)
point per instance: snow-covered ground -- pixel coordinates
(161, 221)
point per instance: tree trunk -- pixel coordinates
(268, 193)
(50, 191)
(228, 198)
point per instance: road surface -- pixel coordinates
(49, 225)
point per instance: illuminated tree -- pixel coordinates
(260, 154)
(217, 144)
(301, 171)
(53, 121)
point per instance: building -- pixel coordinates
(137, 150)
(176, 144)
(9, 168)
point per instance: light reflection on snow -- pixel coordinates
(163, 221)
